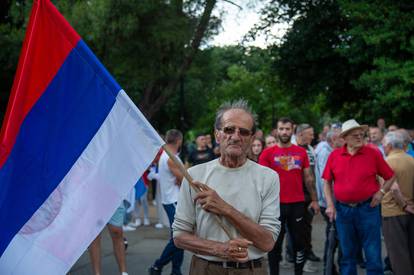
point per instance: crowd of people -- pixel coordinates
(249, 190)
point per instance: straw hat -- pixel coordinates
(350, 125)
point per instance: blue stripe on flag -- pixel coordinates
(140, 188)
(52, 137)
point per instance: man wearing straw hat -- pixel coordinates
(354, 169)
(232, 220)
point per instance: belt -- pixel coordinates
(257, 263)
(356, 204)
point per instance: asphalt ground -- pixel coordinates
(146, 243)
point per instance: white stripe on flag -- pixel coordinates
(73, 215)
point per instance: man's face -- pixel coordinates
(387, 147)
(284, 132)
(375, 135)
(307, 136)
(355, 138)
(201, 141)
(208, 139)
(337, 141)
(381, 123)
(235, 136)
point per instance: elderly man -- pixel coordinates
(398, 206)
(322, 152)
(354, 169)
(243, 194)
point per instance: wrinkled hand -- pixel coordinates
(331, 213)
(315, 206)
(376, 199)
(209, 200)
(236, 250)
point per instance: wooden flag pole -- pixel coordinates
(196, 188)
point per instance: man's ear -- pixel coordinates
(217, 136)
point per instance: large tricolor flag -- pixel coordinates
(72, 146)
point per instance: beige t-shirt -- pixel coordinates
(252, 189)
(403, 166)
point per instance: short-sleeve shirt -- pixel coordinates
(289, 164)
(355, 176)
(201, 156)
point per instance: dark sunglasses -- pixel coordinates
(231, 130)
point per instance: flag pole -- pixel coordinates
(190, 180)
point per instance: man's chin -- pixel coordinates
(284, 140)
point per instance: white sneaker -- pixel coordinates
(309, 267)
(154, 202)
(146, 221)
(124, 273)
(136, 223)
(159, 225)
(127, 228)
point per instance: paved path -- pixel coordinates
(147, 242)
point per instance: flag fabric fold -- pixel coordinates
(72, 146)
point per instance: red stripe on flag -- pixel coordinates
(45, 48)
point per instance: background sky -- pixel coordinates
(237, 22)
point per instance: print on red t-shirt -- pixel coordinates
(289, 164)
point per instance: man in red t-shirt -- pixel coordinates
(292, 164)
(354, 169)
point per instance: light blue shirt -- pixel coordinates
(322, 152)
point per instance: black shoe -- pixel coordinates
(312, 257)
(154, 271)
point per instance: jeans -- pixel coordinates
(171, 252)
(356, 227)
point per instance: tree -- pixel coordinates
(381, 35)
(353, 57)
(147, 45)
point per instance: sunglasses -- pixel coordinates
(231, 130)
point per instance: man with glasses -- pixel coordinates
(242, 194)
(354, 169)
(291, 162)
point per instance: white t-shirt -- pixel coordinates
(252, 189)
(168, 182)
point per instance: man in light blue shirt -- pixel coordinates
(322, 152)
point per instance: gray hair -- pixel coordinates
(394, 139)
(331, 134)
(302, 127)
(240, 104)
(405, 136)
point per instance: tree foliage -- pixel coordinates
(354, 56)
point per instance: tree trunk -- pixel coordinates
(150, 108)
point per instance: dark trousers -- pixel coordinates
(329, 224)
(307, 218)
(200, 266)
(292, 215)
(171, 252)
(399, 237)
